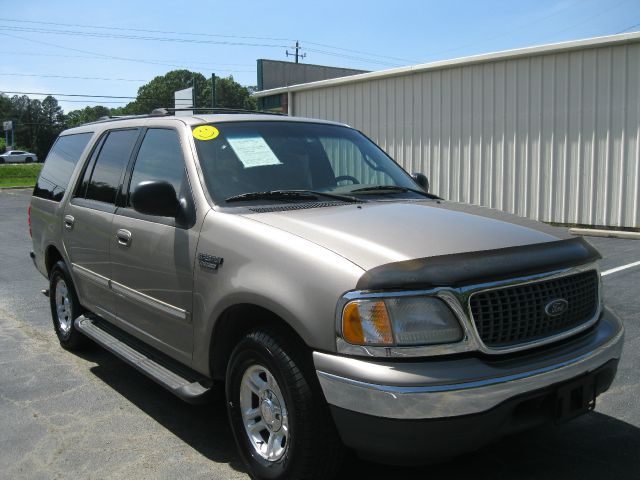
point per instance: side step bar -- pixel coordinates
(118, 343)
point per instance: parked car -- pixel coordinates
(292, 263)
(18, 156)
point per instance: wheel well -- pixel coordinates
(51, 256)
(237, 321)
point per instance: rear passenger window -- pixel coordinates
(59, 166)
(159, 158)
(110, 164)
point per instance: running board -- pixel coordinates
(124, 347)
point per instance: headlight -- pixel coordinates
(401, 321)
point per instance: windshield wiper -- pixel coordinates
(291, 194)
(393, 189)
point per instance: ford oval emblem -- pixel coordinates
(556, 307)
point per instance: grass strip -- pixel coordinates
(23, 175)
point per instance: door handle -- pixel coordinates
(68, 221)
(124, 237)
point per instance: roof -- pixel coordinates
(190, 120)
(486, 57)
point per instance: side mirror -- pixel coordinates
(155, 198)
(422, 180)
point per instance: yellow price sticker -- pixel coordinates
(205, 132)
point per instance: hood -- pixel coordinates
(372, 234)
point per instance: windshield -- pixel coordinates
(240, 158)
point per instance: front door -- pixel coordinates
(152, 257)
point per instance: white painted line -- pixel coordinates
(605, 233)
(623, 267)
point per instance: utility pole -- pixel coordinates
(297, 47)
(193, 83)
(213, 90)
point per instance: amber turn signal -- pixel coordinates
(366, 322)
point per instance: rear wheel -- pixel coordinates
(279, 419)
(65, 307)
(29, 160)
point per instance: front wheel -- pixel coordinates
(279, 419)
(65, 307)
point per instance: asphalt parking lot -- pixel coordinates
(64, 415)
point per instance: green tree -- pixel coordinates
(230, 94)
(85, 115)
(36, 123)
(159, 92)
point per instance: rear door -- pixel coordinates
(152, 257)
(50, 188)
(88, 216)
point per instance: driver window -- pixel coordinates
(160, 159)
(348, 162)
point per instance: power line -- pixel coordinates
(360, 51)
(95, 54)
(351, 57)
(145, 30)
(628, 28)
(88, 101)
(501, 34)
(217, 66)
(596, 15)
(27, 29)
(73, 95)
(139, 37)
(71, 77)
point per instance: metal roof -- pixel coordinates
(486, 57)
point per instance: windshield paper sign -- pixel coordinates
(253, 151)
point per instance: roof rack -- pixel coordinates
(113, 118)
(162, 112)
(169, 111)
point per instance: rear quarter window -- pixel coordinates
(58, 167)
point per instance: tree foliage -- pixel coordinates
(86, 115)
(37, 123)
(159, 92)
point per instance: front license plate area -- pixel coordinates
(575, 398)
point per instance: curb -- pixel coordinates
(605, 233)
(16, 188)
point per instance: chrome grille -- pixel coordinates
(509, 316)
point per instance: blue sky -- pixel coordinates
(123, 44)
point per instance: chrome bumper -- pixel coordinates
(447, 388)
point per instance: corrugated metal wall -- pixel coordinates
(555, 137)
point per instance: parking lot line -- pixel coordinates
(623, 267)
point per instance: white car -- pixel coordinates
(18, 156)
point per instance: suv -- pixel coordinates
(295, 265)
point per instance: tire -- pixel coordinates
(28, 160)
(271, 388)
(65, 308)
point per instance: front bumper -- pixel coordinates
(443, 390)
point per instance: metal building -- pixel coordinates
(549, 132)
(275, 73)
